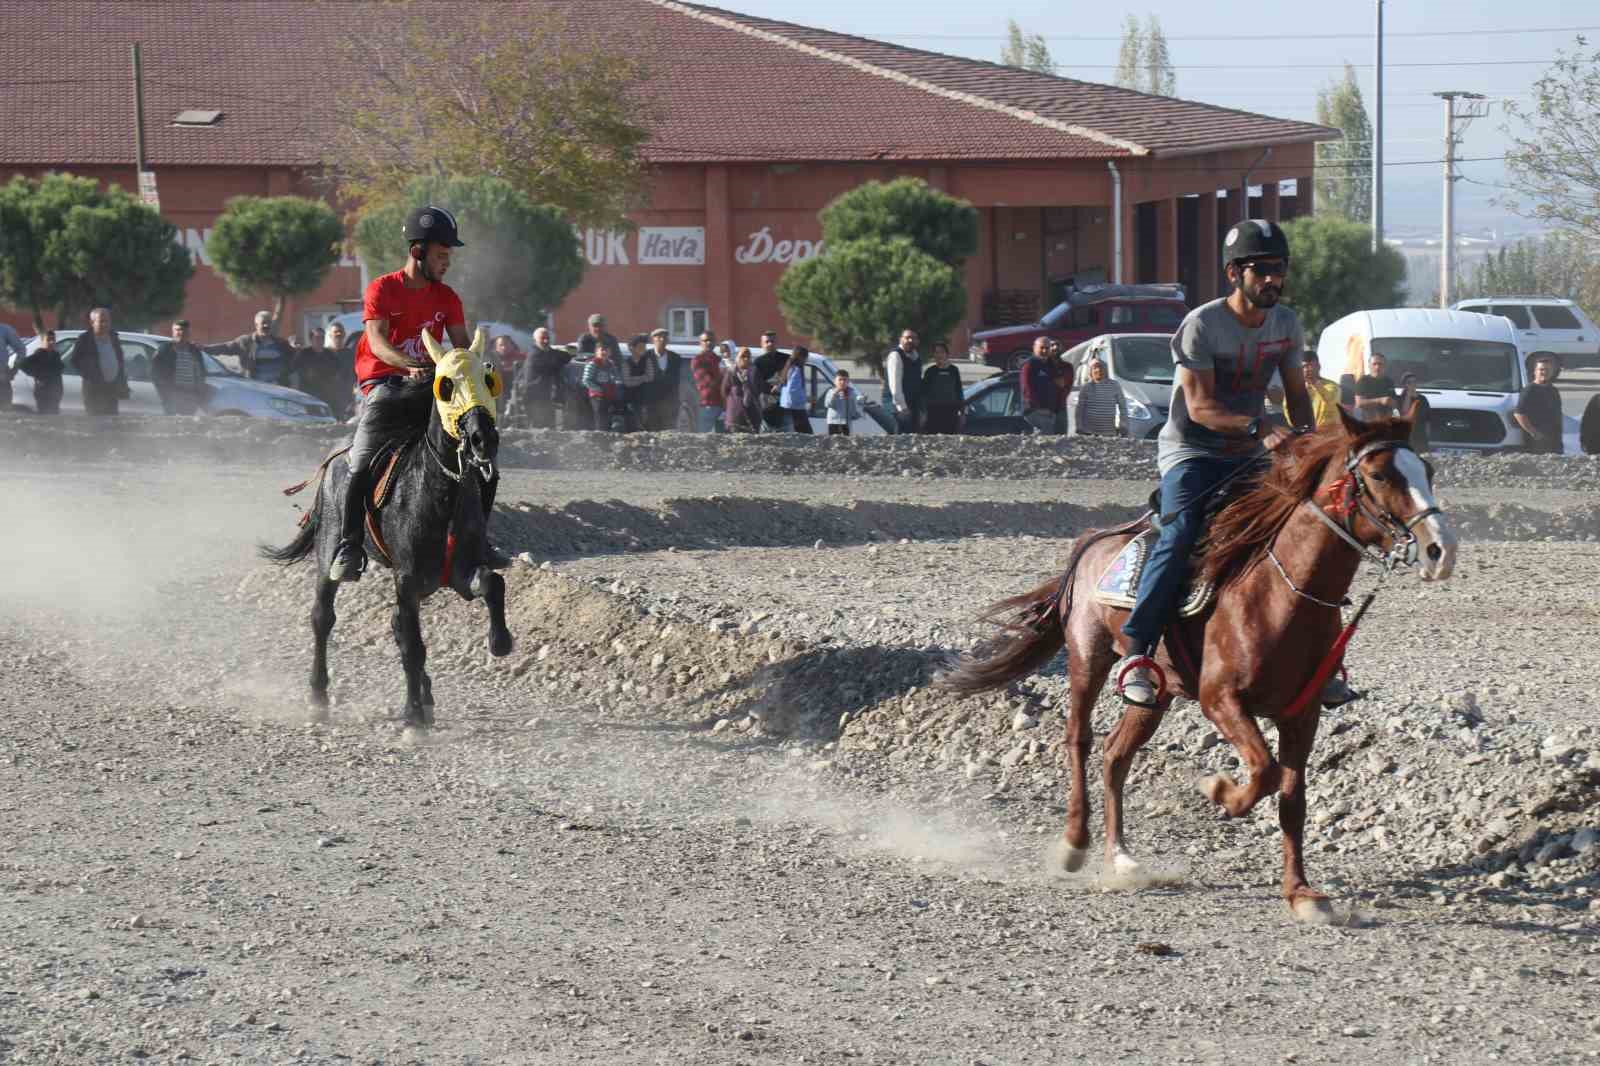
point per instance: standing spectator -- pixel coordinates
(638, 381)
(536, 389)
(508, 356)
(842, 406)
(179, 372)
(1102, 408)
(1046, 384)
(342, 386)
(262, 354)
(1324, 394)
(1419, 425)
(1589, 427)
(943, 398)
(707, 371)
(666, 396)
(1375, 389)
(589, 342)
(770, 365)
(44, 366)
(792, 391)
(1539, 408)
(742, 389)
(902, 383)
(12, 352)
(97, 356)
(602, 380)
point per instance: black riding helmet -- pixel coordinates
(430, 223)
(1255, 238)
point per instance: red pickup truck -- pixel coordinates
(1086, 313)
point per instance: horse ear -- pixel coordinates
(480, 341)
(434, 351)
(1353, 427)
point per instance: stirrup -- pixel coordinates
(1344, 695)
(1158, 678)
(349, 562)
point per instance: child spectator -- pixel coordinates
(942, 397)
(842, 406)
(44, 366)
(603, 382)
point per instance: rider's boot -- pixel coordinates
(350, 558)
(493, 557)
(1138, 678)
(1336, 692)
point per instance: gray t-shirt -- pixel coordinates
(1244, 360)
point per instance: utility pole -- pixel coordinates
(1476, 107)
(1377, 137)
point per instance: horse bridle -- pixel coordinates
(1399, 531)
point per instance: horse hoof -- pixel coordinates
(1068, 858)
(499, 645)
(1125, 865)
(1313, 909)
(1213, 786)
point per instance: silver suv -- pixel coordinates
(1545, 324)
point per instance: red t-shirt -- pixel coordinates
(406, 312)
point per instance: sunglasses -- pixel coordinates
(1276, 268)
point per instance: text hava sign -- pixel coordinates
(686, 246)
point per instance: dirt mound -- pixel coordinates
(146, 439)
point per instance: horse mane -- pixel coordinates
(409, 415)
(1244, 529)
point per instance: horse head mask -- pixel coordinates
(462, 381)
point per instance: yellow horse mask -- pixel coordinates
(461, 381)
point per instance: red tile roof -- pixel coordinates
(729, 87)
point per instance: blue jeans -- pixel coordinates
(707, 420)
(1164, 571)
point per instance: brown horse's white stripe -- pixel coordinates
(1435, 538)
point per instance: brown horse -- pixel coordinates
(1282, 555)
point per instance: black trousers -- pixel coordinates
(942, 418)
(838, 431)
(800, 420)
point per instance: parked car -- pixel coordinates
(1467, 364)
(230, 393)
(1545, 324)
(1142, 364)
(994, 407)
(873, 422)
(1086, 313)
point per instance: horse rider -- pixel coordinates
(1226, 352)
(396, 309)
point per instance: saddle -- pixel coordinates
(384, 463)
(1118, 585)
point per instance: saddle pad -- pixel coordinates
(1119, 584)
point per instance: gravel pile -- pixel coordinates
(1004, 458)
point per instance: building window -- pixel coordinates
(686, 323)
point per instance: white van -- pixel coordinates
(1467, 365)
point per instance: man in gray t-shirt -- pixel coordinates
(1226, 352)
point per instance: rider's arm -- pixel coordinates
(378, 341)
(1200, 396)
(458, 335)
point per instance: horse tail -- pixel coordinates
(1036, 622)
(1034, 637)
(304, 542)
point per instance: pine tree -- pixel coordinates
(1344, 168)
(1160, 78)
(1129, 59)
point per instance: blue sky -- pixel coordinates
(1297, 52)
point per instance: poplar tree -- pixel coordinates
(1344, 167)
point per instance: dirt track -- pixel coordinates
(710, 808)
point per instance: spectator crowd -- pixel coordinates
(651, 385)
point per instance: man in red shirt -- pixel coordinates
(396, 309)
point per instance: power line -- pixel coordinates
(1234, 37)
(1328, 66)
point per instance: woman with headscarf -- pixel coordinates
(741, 394)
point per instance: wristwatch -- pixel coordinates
(1254, 428)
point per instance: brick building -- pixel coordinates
(763, 123)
